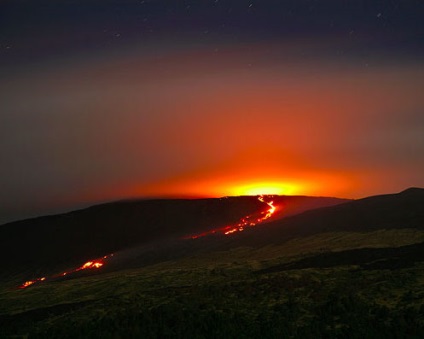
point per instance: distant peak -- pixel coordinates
(413, 190)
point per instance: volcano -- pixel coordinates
(54, 243)
(279, 264)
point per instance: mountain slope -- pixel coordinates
(391, 211)
(64, 240)
(354, 270)
(373, 215)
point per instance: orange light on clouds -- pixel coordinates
(283, 129)
(266, 188)
(218, 184)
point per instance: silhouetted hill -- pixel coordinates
(393, 211)
(98, 230)
(70, 238)
(155, 228)
(311, 275)
(400, 210)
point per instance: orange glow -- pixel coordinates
(240, 176)
(269, 212)
(244, 183)
(27, 283)
(266, 188)
(31, 282)
(92, 264)
(307, 126)
(248, 221)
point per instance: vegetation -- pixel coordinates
(354, 270)
(234, 297)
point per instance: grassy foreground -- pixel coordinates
(232, 295)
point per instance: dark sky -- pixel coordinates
(105, 100)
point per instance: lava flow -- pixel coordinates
(92, 264)
(248, 221)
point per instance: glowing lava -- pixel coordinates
(92, 264)
(31, 282)
(248, 221)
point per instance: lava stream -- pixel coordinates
(92, 264)
(248, 221)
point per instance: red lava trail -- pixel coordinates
(248, 221)
(89, 265)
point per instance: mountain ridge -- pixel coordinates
(397, 210)
(98, 230)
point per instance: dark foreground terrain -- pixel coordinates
(355, 270)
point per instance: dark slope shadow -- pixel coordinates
(365, 258)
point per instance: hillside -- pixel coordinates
(59, 241)
(392, 211)
(400, 211)
(353, 270)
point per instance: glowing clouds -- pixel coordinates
(268, 175)
(192, 123)
(266, 188)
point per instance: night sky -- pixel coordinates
(107, 100)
